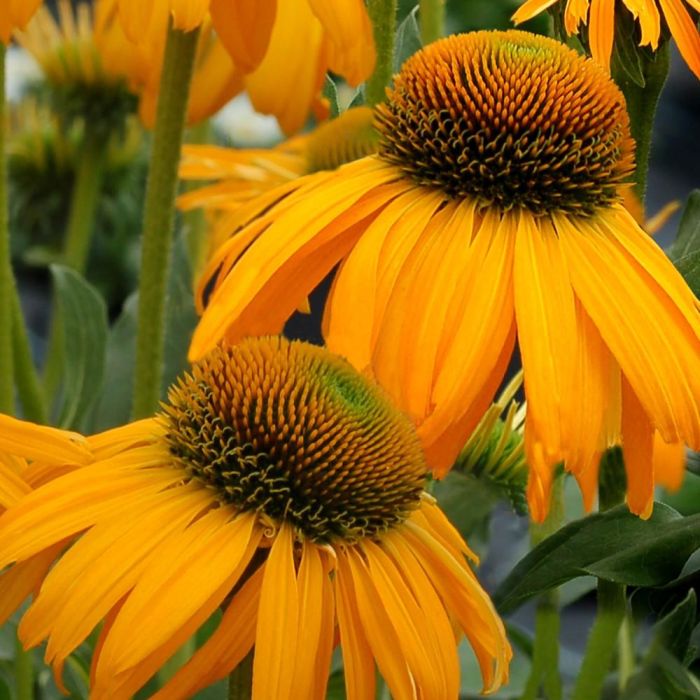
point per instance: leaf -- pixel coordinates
(626, 59)
(115, 403)
(688, 238)
(614, 545)
(330, 92)
(689, 267)
(408, 39)
(663, 679)
(83, 316)
(672, 633)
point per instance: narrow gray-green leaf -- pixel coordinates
(688, 238)
(408, 39)
(689, 267)
(84, 317)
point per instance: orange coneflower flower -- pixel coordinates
(247, 173)
(285, 47)
(282, 485)
(50, 450)
(492, 208)
(599, 15)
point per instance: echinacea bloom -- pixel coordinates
(278, 484)
(599, 16)
(245, 173)
(285, 47)
(14, 14)
(492, 208)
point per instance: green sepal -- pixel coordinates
(408, 39)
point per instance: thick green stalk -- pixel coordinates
(24, 673)
(29, 389)
(641, 106)
(611, 602)
(544, 673)
(7, 402)
(84, 201)
(383, 16)
(432, 20)
(76, 246)
(240, 680)
(159, 218)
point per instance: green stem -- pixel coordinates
(76, 246)
(84, 201)
(432, 20)
(159, 218)
(383, 16)
(24, 673)
(176, 661)
(641, 106)
(602, 641)
(7, 283)
(611, 601)
(240, 680)
(29, 388)
(626, 646)
(544, 672)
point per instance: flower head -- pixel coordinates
(599, 15)
(284, 47)
(277, 483)
(491, 209)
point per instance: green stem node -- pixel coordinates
(383, 16)
(432, 20)
(159, 218)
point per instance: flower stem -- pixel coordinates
(7, 402)
(83, 207)
(240, 680)
(159, 217)
(24, 673)
(432, 20)
(383, 16)
(545, 658)
(611, 601)
(641, 106)
(29, 388)
(76, 246)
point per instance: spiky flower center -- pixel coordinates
(513, 119)
(293, 432)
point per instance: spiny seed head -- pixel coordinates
(512, 119)
(342, 140)
(294, 433)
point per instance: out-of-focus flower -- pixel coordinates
(492, 207)
(276, 482)
(14, 14)
(245, 174)
(285, 47)
(599, 16)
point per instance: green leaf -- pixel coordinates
(672, 633)
(689, 267)
(83, 314)
(330, 92)
(614, 545)
(115, 403)
(626, 58)
(663, 679)
(688, 238)
(407, 39)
